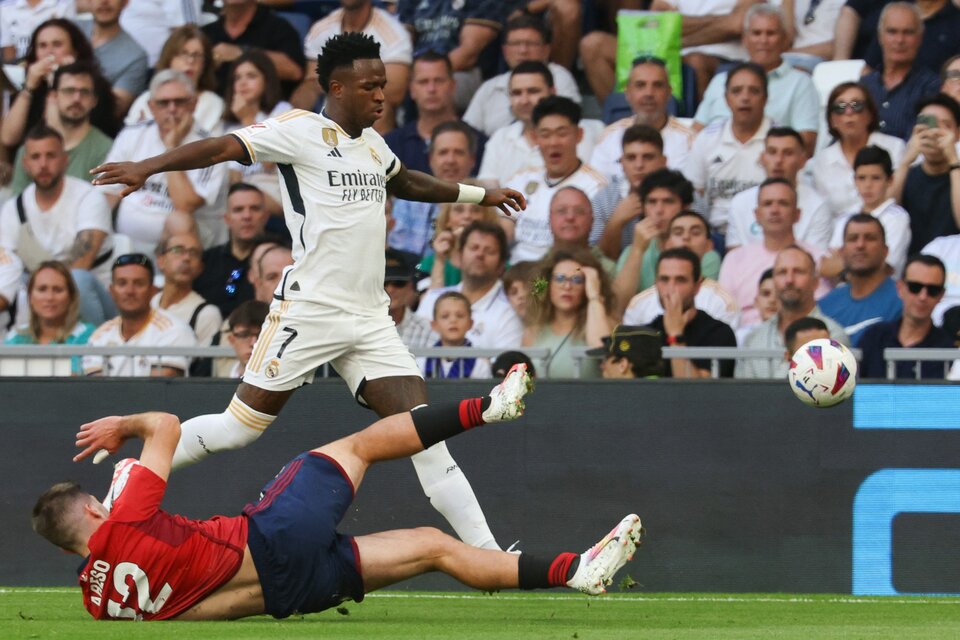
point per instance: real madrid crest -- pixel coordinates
(531, 187)
(376, 157)
(330, 136)
(273, 368)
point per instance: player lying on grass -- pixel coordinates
(283, 554)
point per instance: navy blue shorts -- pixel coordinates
(303, 563)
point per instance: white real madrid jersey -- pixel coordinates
(333, 189)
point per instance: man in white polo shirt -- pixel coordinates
(725, 156)
(556, 123)
(484, 254)
(198, 192)
(138, 325)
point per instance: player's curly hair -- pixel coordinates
(341, 51)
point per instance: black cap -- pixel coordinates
(640, 345)
(397, 268)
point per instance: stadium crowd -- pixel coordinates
(716, 214)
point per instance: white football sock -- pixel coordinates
(202, 436)
(450, 494)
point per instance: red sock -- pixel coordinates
(559, 568)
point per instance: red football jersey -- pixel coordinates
(146, 564)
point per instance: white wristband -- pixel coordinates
(470, 193)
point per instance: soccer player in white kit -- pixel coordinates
(330, 305)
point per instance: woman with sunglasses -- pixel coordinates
(854, 123)
(574, 312)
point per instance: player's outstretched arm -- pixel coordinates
(195, 155)
(160, 433)
(422, 187)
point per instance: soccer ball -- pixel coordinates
(823, 373)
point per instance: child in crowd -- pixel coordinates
(452, 318)
(518, 285)
(244, 328)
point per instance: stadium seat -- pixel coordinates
(826, 76)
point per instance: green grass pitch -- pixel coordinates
(395, 615)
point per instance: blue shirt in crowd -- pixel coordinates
(856, 316)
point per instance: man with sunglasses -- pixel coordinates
(920, 289)
(197, 192)
(138, 325)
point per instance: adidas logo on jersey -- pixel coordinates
(335, 153)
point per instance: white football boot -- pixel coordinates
(601, 562)
(506, 399)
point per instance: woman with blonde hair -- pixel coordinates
(443, 264)
(54, 311)
(573, 310)
(187, 50)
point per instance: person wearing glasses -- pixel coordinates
(575, 311)
(180, 260)
(921, 289)
(138, 324)
(243, 329)
(950, 77)
(195, 193)
(854, 123)
(122, 60)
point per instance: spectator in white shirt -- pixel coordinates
(180, 259)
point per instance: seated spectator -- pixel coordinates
(873, 175)
(180, 259)
(432, 89)
(929, 190)
(400, 284)
(801, 331)
(457, 30)
(518, 285)
(776, 213)
(18, 20)
(483, 256)
(575, 311)
(122, 60)
(188, 51)
(55, 43)
(724, 158)
(58, 217)
(11, 273)
(396, 51)
(525, 39)
(814, 22)
(682, 324)
(151, 23)
(571, 218)
(443, 265)
(504, 362)
(630, 352)
(513, 148)
(138, 325)
(950, 77)
(74, 98)
(794, 280)
(451, 321)
(223, 281)
(920, 289)
(565, 18)
(556, 123)
(899, 81)
(647, 92)
(791, 97)
(54, 315)
(243, 329)
(253, 95)
(869, 295)
(688, 229)
(765, 302)
(947, 250)
(616, 207)
(196, 192)
(663, 194)
(938, 30)
(267, 262)
(247, 24)
(854, 123)
(783, 156)
(857, 28)
(452, 155)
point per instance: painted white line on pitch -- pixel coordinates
(645, 599)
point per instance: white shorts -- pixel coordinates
(298, 336)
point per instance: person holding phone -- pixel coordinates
(930, 190)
